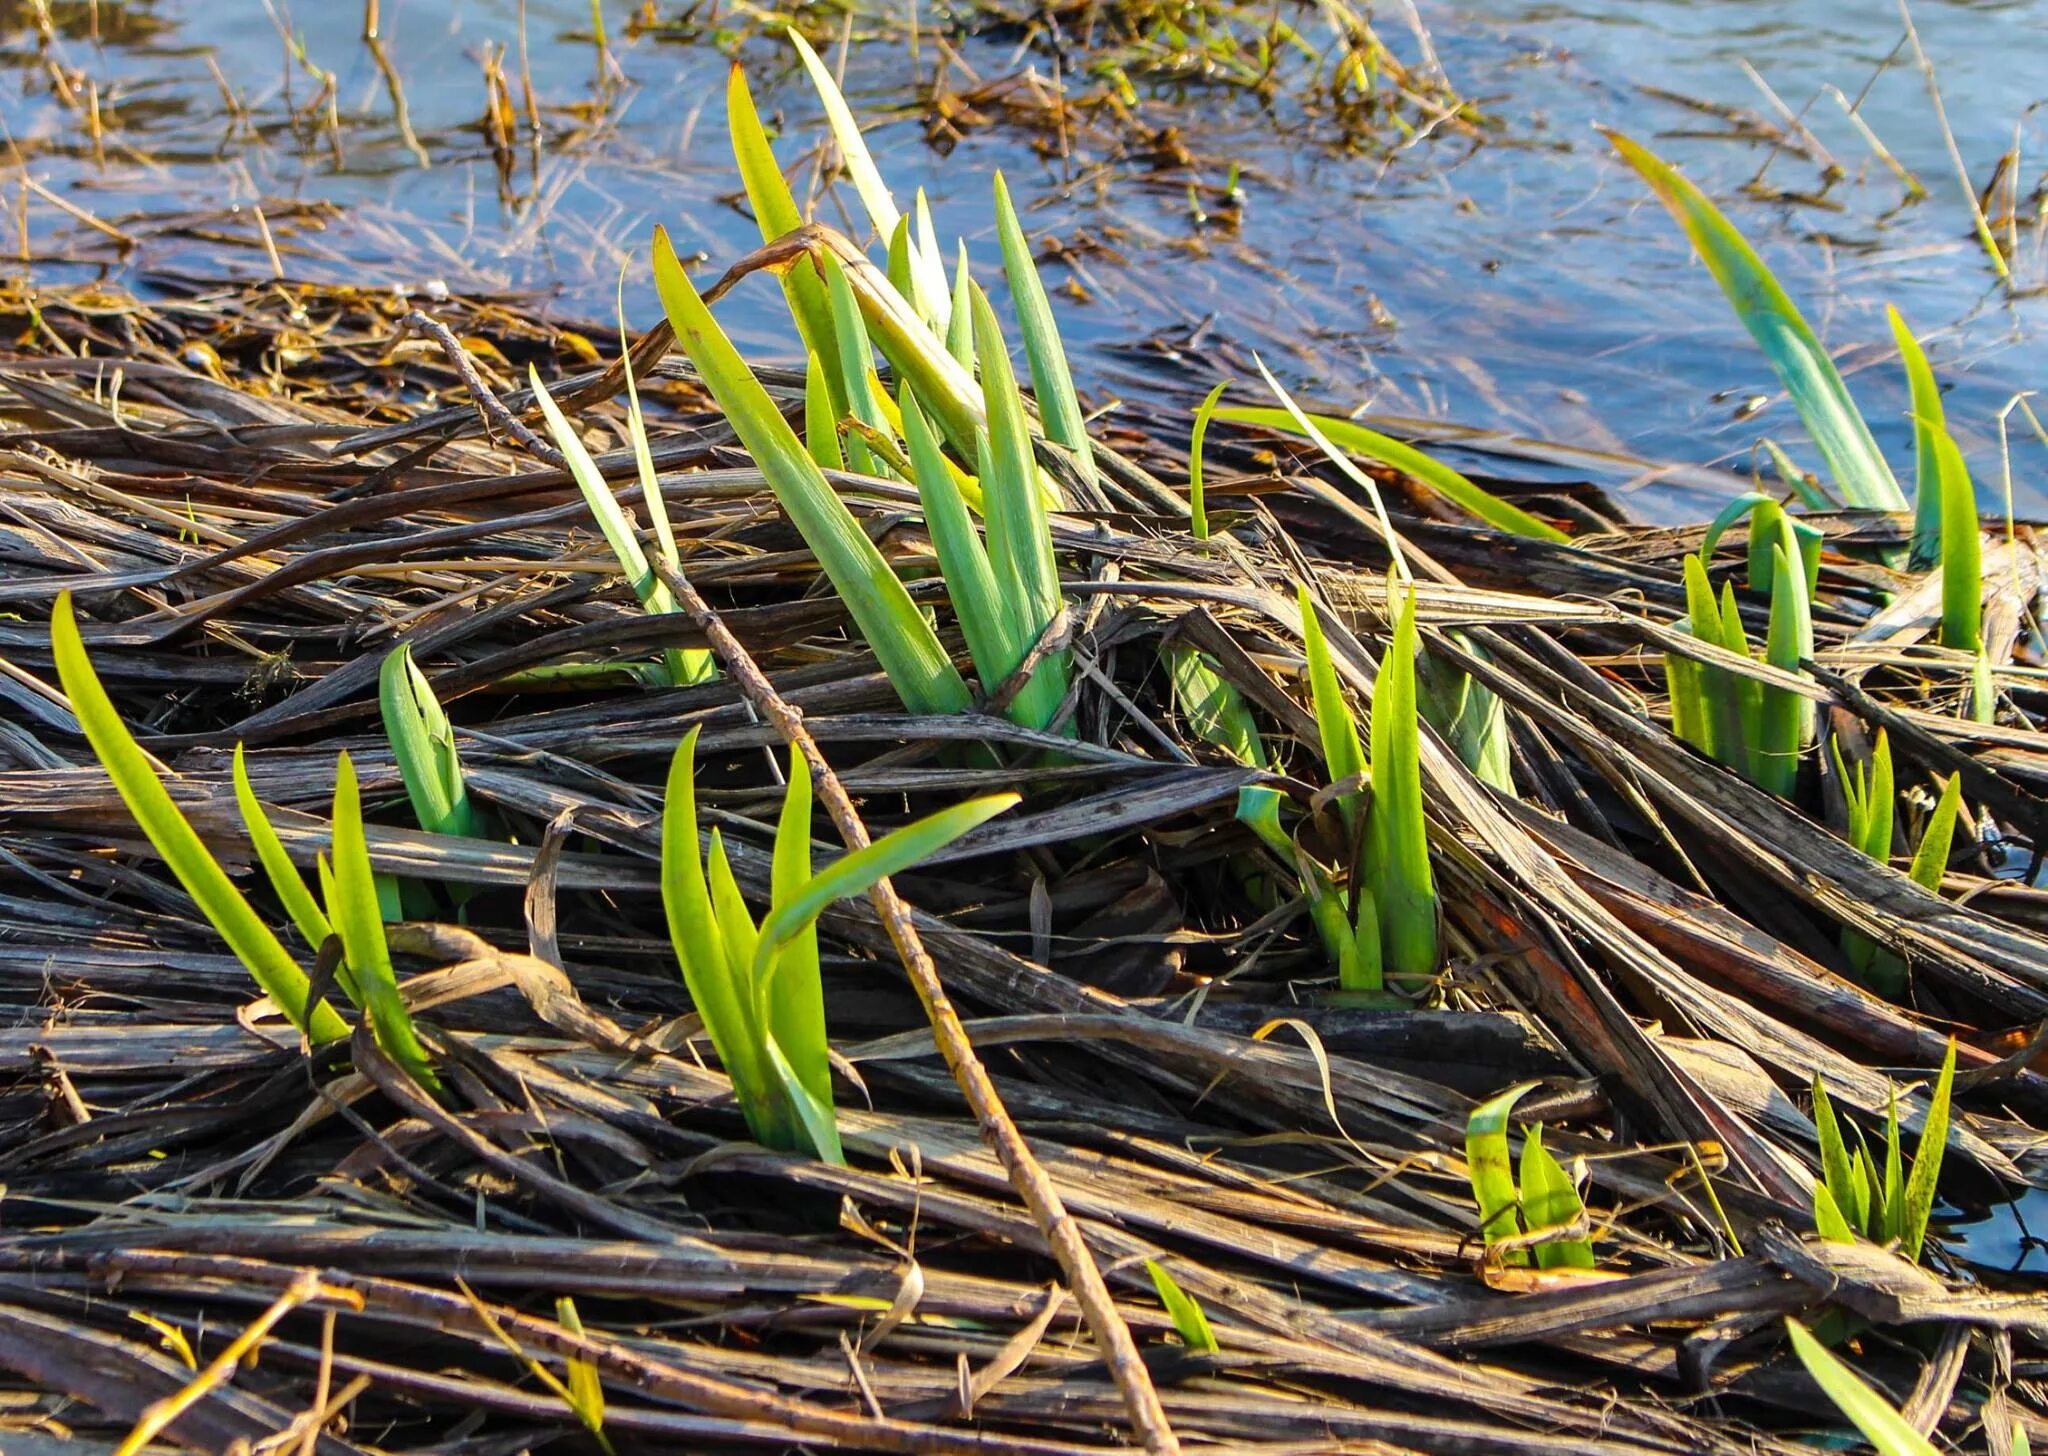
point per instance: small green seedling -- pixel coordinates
(1518, 1218)
(758, 987)
(1852, 1200)
(1188, 1320)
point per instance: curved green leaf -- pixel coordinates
(177, 842)
(1396, 863)
(1491, 1172)
(353, 909)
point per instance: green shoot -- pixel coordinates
(1213, 707)
(1395, 869)
(1545, 1199)
(423, 741)
(902, 640)
(1928, 419)
(1852, 1201)
(1962, 546)
(583, 1391)
(758, 988)
(1873, 1415)
(1197, 510)
(352, 907)
(172, 836)
(285, 879)
(1869, 799)
(1801, 363)
(1930, 860)
(1355, 439)
(1188, 1320)
(1050, 377)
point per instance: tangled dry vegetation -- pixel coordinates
(253, 496)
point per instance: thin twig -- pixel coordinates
(480, 393)
(1061, 1233)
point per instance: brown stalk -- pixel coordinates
(1062, 1234)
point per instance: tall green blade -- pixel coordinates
(1355, 439)
(1492, 1173)
(1396, 866)
(1019, 535)
(1786, 714)
(1802, 365)
(821, 418)
(176, 841)
(1962, 551)
(1343, 751)
(1926, 1175)
(1838, 1173)
(353, 909)
(1929, 420)
(960, 328)
(856, 873)
(693, 929)
(776, 212)
(1881, 1425)
(904, 643)
(285, 880)
(1198, 511)
(856, 370)
(685, 665)
(970, 581)
(794, 990)
(1058, 405)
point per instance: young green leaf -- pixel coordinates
(1213, 707)
(1396, 862)
(1828, 1220)
(1787, 715)
(1962, 550)
(285, 880)
(1491, 1172)
(1918, 1205)
(1930, 860)
(1871, 1413)
(1355, 439)
(1343, 752)
(1058, 405)
(1197, 507)
(985, 617)
(423, 742)
(1850, 1190)
(176, 841)
(1188, 1320)
(353, 909)
(1550, 1200)
(901, 639)
(857, 873)
(1802, 365)
(1929, 420)
(792, 990)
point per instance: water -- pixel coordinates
(1518, 279)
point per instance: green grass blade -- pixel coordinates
(1802, 365)
(1300, 423)
(856, 873)
(285, 880)
(776, 212)
(821, 419)
(928, 247)
(1962, 551)
(358, 920)
(1550, 1200)
(1930, 860)
(1396, 866)
(960, 328)
(1870, 1412)
(1343, 750)
(1828, 1220)
(1019, 535)
(1929, 420)
(423, 742)
(620, 530)
(1188, 1320)
(694, 932)
(1058, 405)
(1837, 1172)
(1197, 507)
(1745, 693)
(1888, 1218)
(1213, 707)
(1918, 1205)
(856, 370)
(176, 841)
(815, 1117)
(794, 990)
(1786, 714)
(970, 581)
(903, 642)
(1492, 1173)
(1355, 439)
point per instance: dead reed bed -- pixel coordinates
(254, 495)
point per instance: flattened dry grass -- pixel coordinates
(1655, 939)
